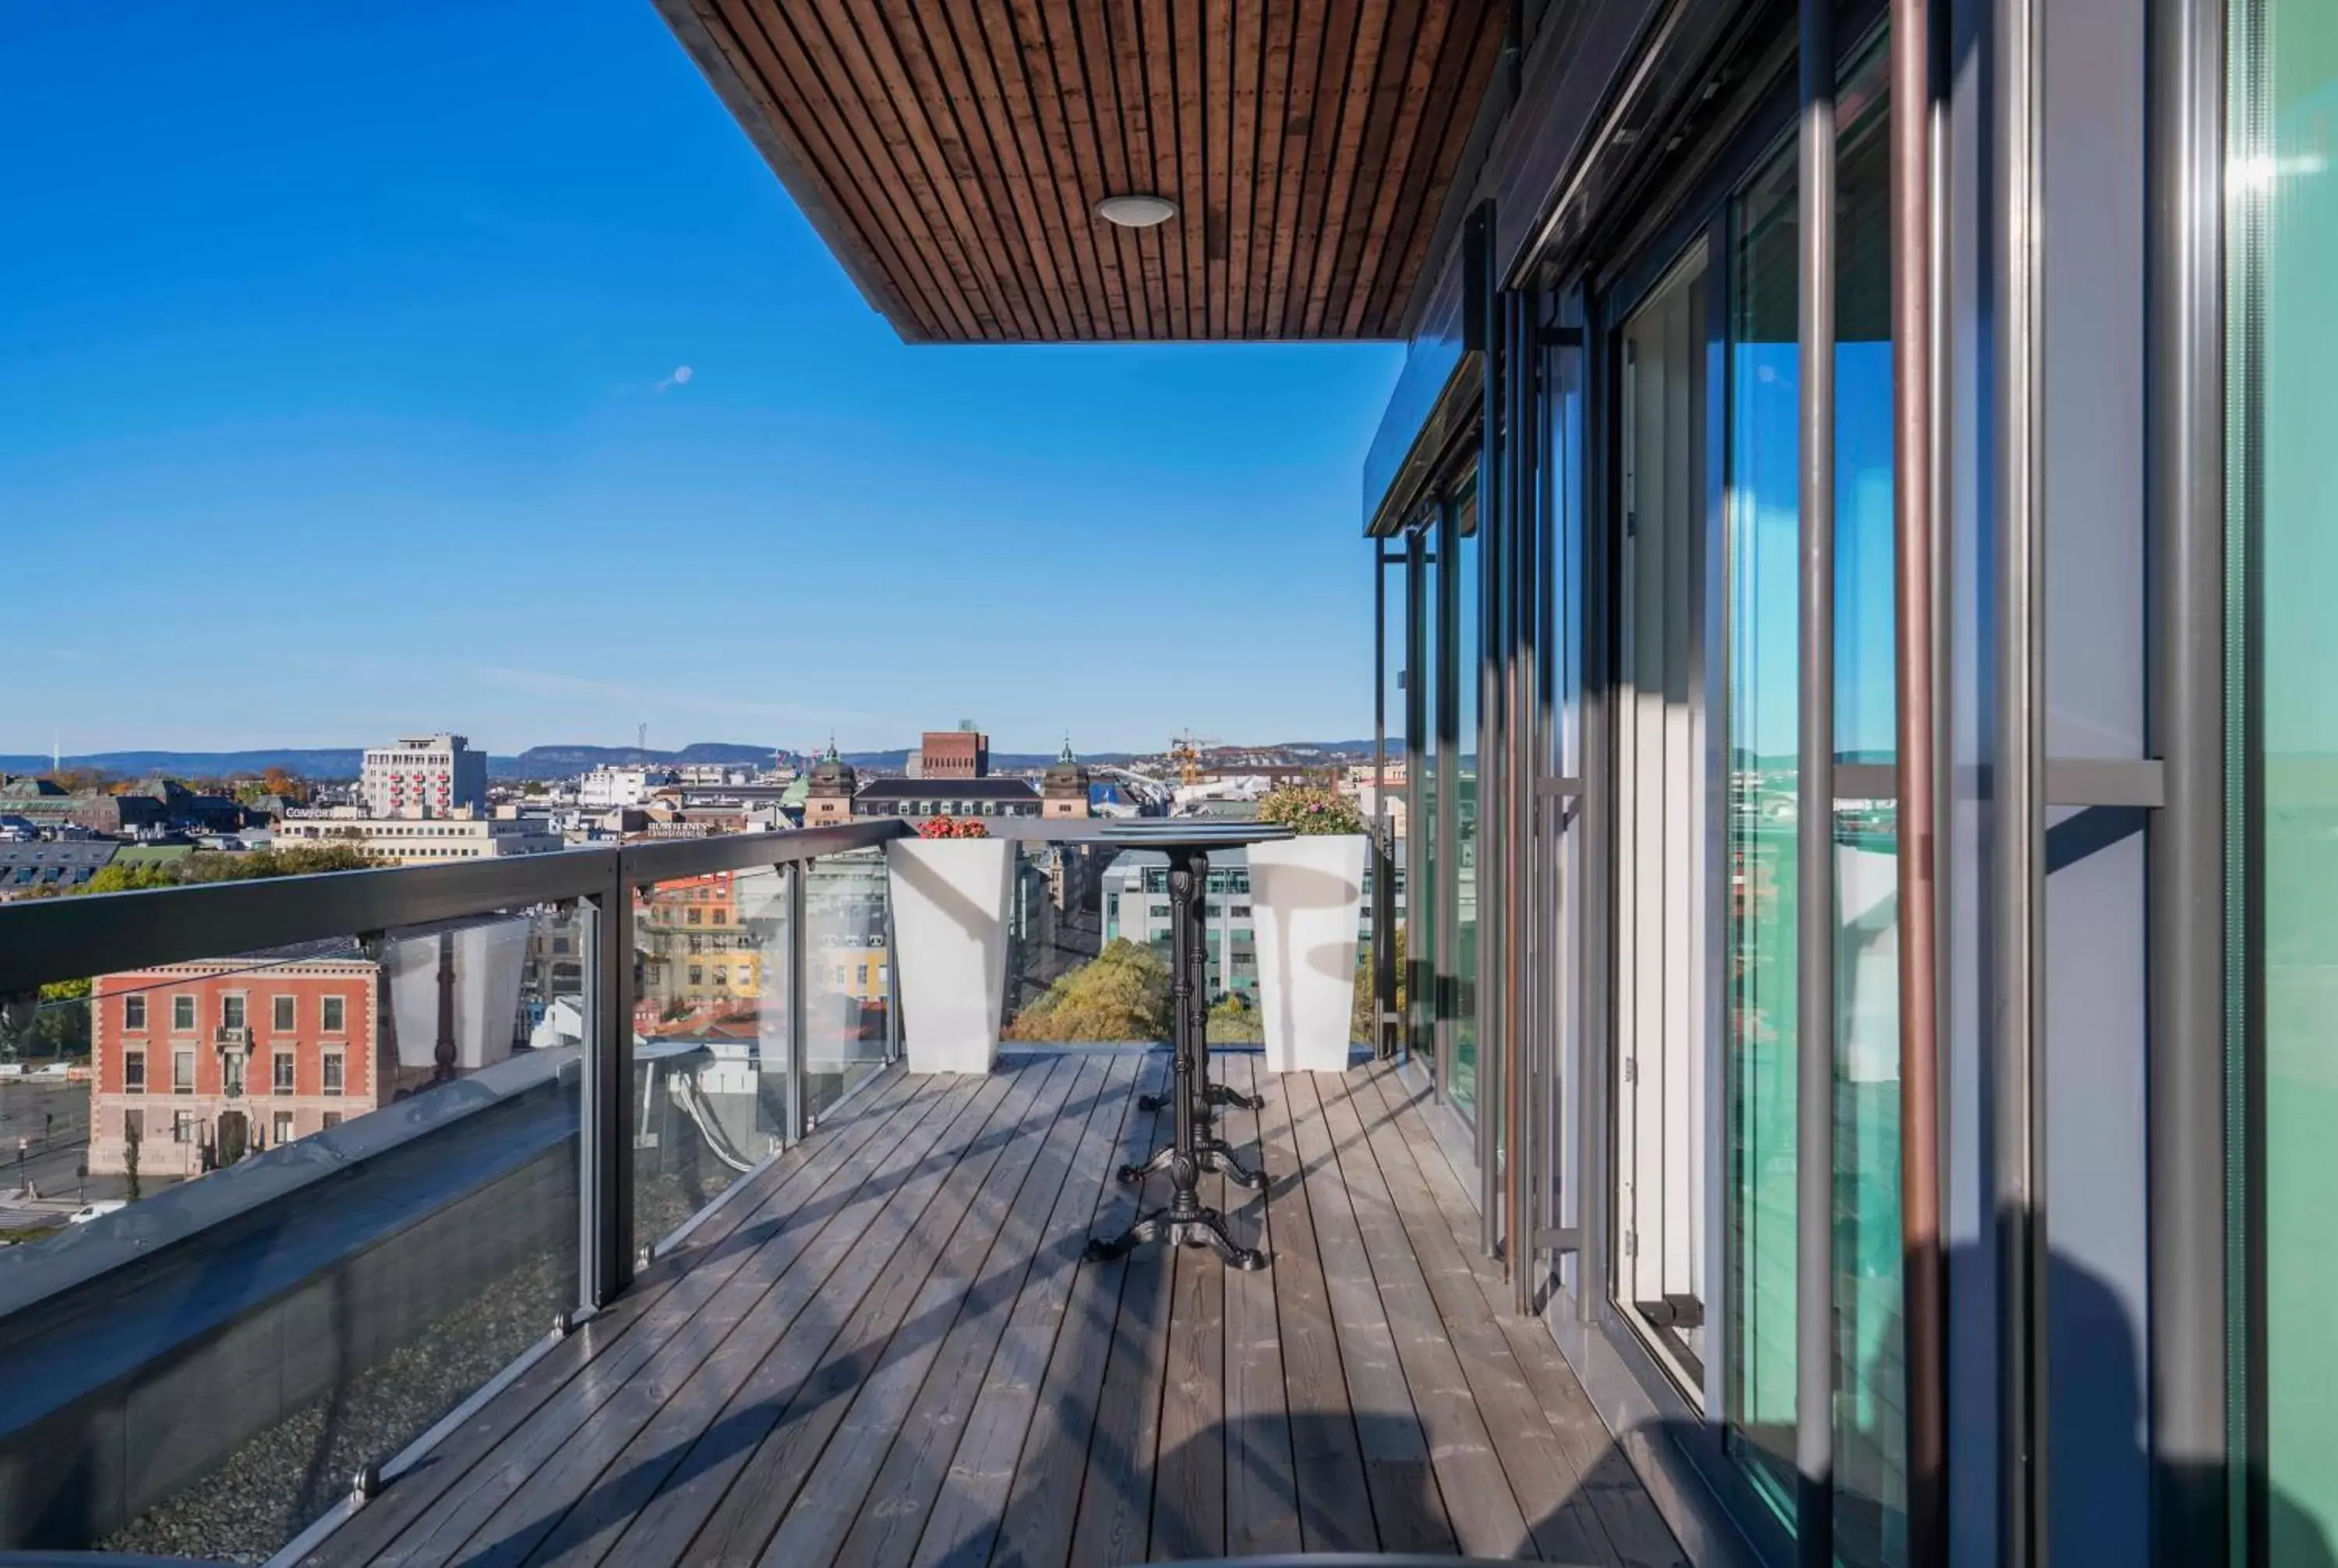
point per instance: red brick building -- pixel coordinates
(953, 754)
(205, 1062)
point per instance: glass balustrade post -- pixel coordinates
(604, 1208)
(799, 1055)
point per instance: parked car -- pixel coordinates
(12, 1069)
(52, 1070)
(102, 1207)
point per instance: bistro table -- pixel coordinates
(1189, 1151)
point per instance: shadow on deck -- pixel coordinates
(889, 1352)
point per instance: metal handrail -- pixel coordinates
(51, 939)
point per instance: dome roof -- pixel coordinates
(832, 774)
(1066, 771)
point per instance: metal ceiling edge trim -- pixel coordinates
(1452, 417)
(840, 237)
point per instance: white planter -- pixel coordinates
(950, 898)
(1306, 894)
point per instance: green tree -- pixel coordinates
(1233, 1021)
(216, 865)
(61, 1026)
(130, 1162)
(1363, 1024)
(1121, 993)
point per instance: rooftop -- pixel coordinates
(884, 1348)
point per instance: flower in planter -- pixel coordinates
(952, 827)
(1309, 809)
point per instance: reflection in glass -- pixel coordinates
(712, 1028)
(392, 1123)
(2284, 386)
(1763, 731)
(1460, 771)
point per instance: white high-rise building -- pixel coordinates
(602, 787)
(424, 775)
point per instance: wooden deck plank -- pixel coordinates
(790, 1181)
(909, 1514)
(1261, 1490)
(591, 1529)
(888, 1352)
(1042, 1490)
(1636, 1531)
(1542, 1478)
(844, 1261)
(1408, 1508)
(506, 1508)
(1485, 1513)
(1189, 1478)
(793, 1401)
(882, 1403)
(1335, 1510)
(471, 1499)
(1114, 1523)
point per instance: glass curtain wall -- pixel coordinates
(1463, 671)
(2283, 474)
(1420, 622)
(1763, 725)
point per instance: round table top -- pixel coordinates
(1192, 832)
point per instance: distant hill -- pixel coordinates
(318, 762)
(536, 761)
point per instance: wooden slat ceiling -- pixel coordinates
(952, 153)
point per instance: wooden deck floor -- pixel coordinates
(887, 1352)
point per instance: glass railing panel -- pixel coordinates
(712, 1047)
(848, 1012)
(1088, 946)
(279, 1213)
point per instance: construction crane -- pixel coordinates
(1185, 751)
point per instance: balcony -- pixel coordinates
(641, 1293)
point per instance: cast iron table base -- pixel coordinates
(1184, 1220)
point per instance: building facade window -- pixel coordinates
(183, 1072)
(183, 1015)
(133, 1071)
(335, 1016)
(332, 1119)
(182, 1126)
(133, 1126)
(332, 1071)
(232, 1015)
(281, 1078)
(280, 1127)
(285, 1013)
(133, 1012)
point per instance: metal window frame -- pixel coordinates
(2186, 643)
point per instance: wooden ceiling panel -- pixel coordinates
(952, 152)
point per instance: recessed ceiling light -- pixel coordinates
(1136, 211)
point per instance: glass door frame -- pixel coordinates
(1589, 301)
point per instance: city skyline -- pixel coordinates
(523, 398)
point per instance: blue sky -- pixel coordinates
(338, 398)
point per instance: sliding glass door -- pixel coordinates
(1662, 1047)
(2282, 390)
(1763, 731)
